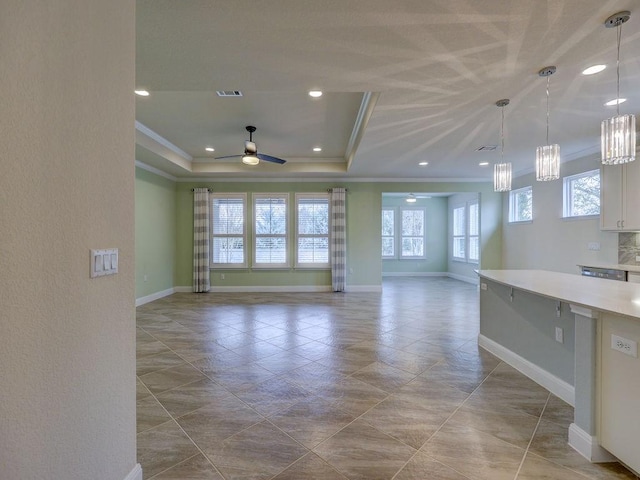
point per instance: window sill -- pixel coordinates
(228, 267)
(581, 217)
(520, 222)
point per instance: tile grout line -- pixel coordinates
(524, 457)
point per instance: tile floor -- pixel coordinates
(341, 386)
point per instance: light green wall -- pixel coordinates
(364, 202)
(155, 233)
(436, 237)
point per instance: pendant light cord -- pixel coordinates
(502, 137)
(618, 70)
(547, 110)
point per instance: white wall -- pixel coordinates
(67, 387)
(551, 242)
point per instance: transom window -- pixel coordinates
(581, 194)
(521, 205)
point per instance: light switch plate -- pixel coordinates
(104, 262)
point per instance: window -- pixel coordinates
(404, 238)
(312, 230)
(459, 233)
(228, 230)
(581, 194)
(466, 233)
(388, 233)
(270, 230)
(412, 233)
(521, 205)
(474, 232)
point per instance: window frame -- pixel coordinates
(567, 194)
(394, 211)
(397, 232)
(458, 236)
(470, 235)
(254, 243)
(298, 235)
(467, 236)
(212, 235)
(512, 207)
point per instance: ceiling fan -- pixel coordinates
(251, 155)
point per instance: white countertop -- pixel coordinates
(621, 298)
(617, 266)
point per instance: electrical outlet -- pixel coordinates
(483, 286)
(593, 246)
(559, 335)
(222, 276)
(145, 277)
(637, 258)
(624, 345)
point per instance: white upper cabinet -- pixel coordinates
(620, 197)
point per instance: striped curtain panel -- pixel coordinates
(201, 281)
(338, 239)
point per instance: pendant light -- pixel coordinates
(548, 156)
(618, 137)
(502, 170)
(411, 198)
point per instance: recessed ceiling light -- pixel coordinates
(593, 69)
(615, 101)
(210, 149)
(315, 93)
(422, 164)
(483, 164)
(142, 93)
(317, 149)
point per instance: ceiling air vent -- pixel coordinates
(229, 93)
(486, 148)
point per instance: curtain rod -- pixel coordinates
(329, 189)
(208, 189)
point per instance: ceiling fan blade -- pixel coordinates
(269, 158)
(229, 156)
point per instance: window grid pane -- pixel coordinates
(312, 243)
(228, 230)
(582, 194)
(412, 228)
(270, 226)
(521, 205)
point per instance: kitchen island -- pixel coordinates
(558, 329)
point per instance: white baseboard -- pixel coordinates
(463, 278)
(414, 274)
(587, 446)
(555, 385)
(364, 288)
(135, 474)
(271, 289)
(154, 296)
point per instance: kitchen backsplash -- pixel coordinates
(628, 248)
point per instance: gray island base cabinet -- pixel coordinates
(574, 336)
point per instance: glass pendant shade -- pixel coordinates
(548, 163)
(618, 139)
(502, 177)
(250, 160)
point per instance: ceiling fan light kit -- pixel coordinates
(618, 134)
(251, 156)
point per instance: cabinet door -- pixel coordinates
(611, 177)
(631, 206)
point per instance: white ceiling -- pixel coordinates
(405, 81)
